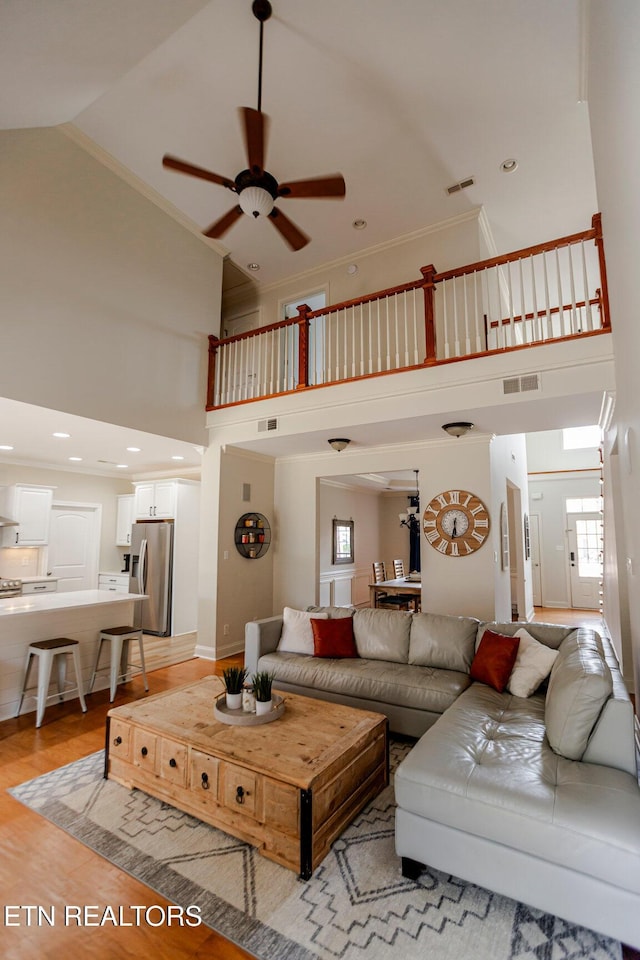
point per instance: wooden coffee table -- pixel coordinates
(289, 787)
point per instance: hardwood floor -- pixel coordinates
(41, 865)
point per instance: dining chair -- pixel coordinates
(393, 601)
(398, 569)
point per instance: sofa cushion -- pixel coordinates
(436, 640)
(551, 634)
(494, 659)
(382, 682)
(533, 665)
(579, 685)
(297, 634)
(382, 634)
(333, 638)
(334, 613)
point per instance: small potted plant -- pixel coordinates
(234, 678)
(261, 682)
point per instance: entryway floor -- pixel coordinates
(570, 616)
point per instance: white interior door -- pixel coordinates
(74, 546)
(585, 559)
(536, 571)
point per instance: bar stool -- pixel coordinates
(47, 651)
(119, 666)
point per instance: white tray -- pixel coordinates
(241, 718)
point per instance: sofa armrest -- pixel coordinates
(260, 637)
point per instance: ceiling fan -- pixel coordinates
(256, 188)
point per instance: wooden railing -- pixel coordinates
(549, 292)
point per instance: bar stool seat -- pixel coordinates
(47, 651)
(120, 669)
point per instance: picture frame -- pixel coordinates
(343, 541)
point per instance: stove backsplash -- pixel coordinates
(19, 562)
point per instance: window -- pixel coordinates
(580, 438)
(584, 504)
(589, 543)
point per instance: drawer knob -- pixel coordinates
(144, 751)
(205, 781)
(240, 795)
(173, 762)
(117, 741)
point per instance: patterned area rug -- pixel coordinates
(356, 905)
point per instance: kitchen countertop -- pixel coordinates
(38, 579)
(46, 602)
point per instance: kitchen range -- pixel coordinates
(10, 588)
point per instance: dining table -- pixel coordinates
(402, 585)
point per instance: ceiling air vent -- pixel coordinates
(524, 384)
(267, 425)
(460, 185)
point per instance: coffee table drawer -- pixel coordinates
(144, 749)
(241, 790)
(119, 739)
(203, 777)
(173, 762)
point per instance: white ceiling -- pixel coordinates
(403, 98)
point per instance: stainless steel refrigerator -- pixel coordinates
(151, 573)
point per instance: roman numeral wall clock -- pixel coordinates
(456, 523)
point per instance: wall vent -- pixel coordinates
(524, 384)
(460, 185)
(267, 425)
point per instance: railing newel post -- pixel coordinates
(596, 224)
(428, 286)
(303, 345)
(211, 371)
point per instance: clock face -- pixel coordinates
(456, 523)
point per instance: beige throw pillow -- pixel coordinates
(533, 665)
(297, 632)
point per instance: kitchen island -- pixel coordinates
(79, 615)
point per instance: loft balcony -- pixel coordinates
(550, 293)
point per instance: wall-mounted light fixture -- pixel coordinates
(339, 443)
(458, 429)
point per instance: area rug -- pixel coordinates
(356, 905)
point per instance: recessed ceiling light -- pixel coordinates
(5, 446)
(133, 449)
(121, 466)
(359, 224)
(177, 458)
(253, 266)
(352, 269)
(76, 459)
(63, 435)
(508, 166)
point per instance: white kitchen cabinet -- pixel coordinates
(116, 582)
(156, 501)
(31, 506)
(124, 519)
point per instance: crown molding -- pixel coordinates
(131, 179)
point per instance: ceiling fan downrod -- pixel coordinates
(261, 11)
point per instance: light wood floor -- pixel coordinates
(41, 865)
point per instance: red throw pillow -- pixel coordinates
(494, 659)
(333, 638)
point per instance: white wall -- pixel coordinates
(69, 487)
(462, 586)
(614, 80)
(107, 302)
(344, 502)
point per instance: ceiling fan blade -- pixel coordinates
(332, 186)
(221, 226)
(287, 228)
(173, 163)
(255, 126)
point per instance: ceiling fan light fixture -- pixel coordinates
(256, 201)
(458, 429)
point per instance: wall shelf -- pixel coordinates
(252, 535)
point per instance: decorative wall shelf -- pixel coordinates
(252, 535)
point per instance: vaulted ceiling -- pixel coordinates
(403, 98)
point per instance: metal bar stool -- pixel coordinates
(119, 666)
(47, 651)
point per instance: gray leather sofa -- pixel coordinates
(536, 798)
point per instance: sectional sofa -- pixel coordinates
(524, 776)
